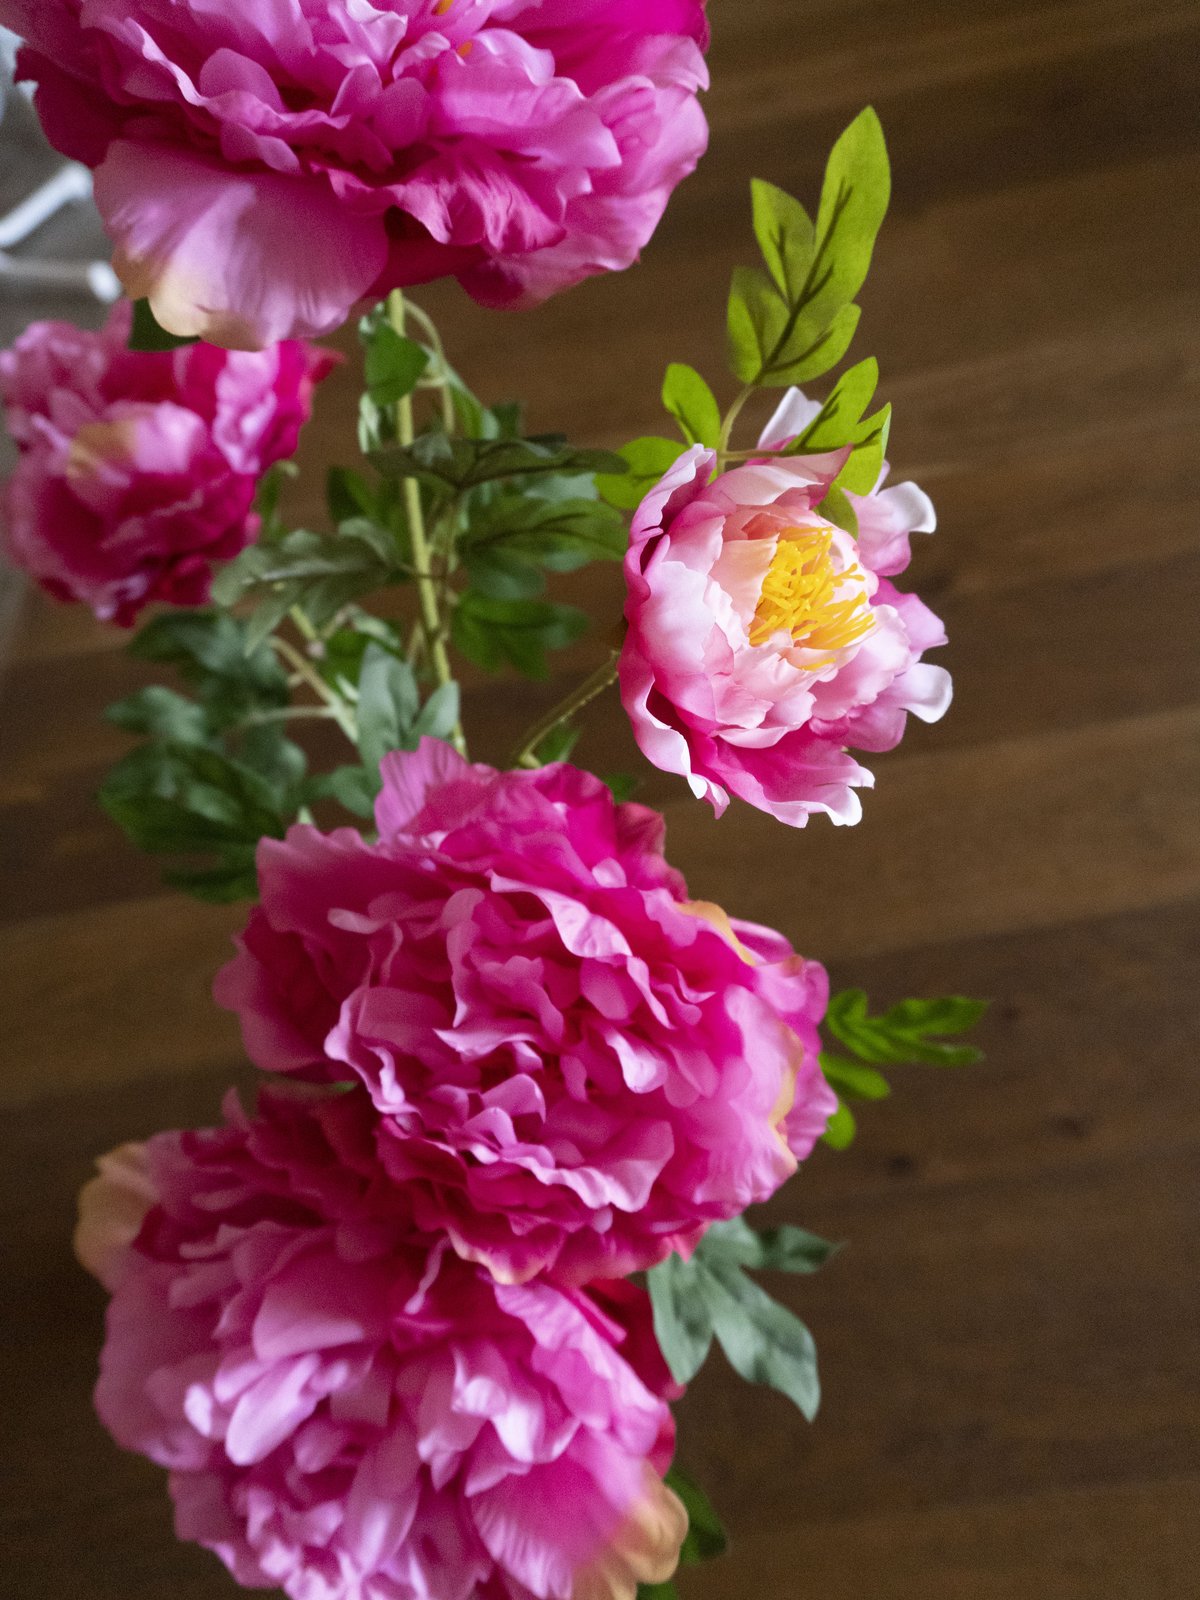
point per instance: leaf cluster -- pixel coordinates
(710, 1296)
(912, 1033)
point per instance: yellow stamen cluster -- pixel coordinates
(806, 594)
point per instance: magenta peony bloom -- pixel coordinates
(578, 1070)
(764, 642)
(263, 167)
(350, 1412)
(137, 472)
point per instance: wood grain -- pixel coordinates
(1008, 1343)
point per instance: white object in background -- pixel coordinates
(71, 183)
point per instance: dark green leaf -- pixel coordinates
(683, 1323)
(500, 574)
(212, 653)
(348, 494)
(705, 1537)
(439, 715)
(558, 744)
(693, 405)
(491, 632)
(560, 535)
(147, 335)
(459, 464)
(161, 714)
(658, 1591)
(646, 460)
(622, 784)
(355, 788)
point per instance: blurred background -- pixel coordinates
(1009, 1342)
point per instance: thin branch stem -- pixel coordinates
(731, 417)
(303, 669)
(427, 589)
(591, 688)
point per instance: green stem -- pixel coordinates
(589, 690)
(442, 382)
(304, 670)
(427, 589)
(730, 423)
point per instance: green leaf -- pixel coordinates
(757, 324)
(348, 494)
(160, 713)
(657, 1591)
(764, 1341)
(841, 1128)
(837, 509)
(853, 1079)
(388, 705)
(785, 235)
(693, 405)
(861, 472)
(822, 355)
(912, 1032)
(355, 788)
(645, 461)
(459, 464)
(394, 365)
(706, 1537)
(622, 785)
(212, 653)
(683, 1323)
(854, 202)
(560, 535)
(785, 1249)
(558, 744)
(839, 420)
(491, 632)
(147, 335)
(439, 715)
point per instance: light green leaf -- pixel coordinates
(826, 350)
(854, 202)
(841, 1128)
(785, 1249)
(785, 235)
(861, 472)
(394, 365)
(646, 460)
(912, 1032)
(682, 1321)
(388, 705)
(853, 1079)
(491, 632)
(693, 405)
(839, 419)
(837, 509)
(764, 1341)
(758, 325)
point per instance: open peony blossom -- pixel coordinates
(263, 167)
(764, 641)
(347, 1410)
(578, 1069)
(137, 471)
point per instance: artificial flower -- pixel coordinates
(137, 471)
(263, 167)
(765, 642)
(577, 1068)
(347, 1410)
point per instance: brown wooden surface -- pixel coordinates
(1009, 1345)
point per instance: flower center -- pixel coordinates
(805, 593)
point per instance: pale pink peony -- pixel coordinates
(350, 1412)
(263, 167)
(764, 642)
(578, 1069)
(137, 471)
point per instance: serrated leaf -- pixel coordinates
(646, 460)
(683, 1324)
(764, 1341)
(160, 713)
(459, 464)
(491, 632)
(785, 234)
(693, 405)
(706, 1539)
(785, 1249)
(841, 1128)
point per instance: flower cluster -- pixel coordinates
(765, 642)
(137, 471)
(378, 1333)
(263, 168)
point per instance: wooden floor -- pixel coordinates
(1010, 1343)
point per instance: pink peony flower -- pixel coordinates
(261, 168)
(137, 472)
(764, 642)
(350, 1412)
(578, 1070)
